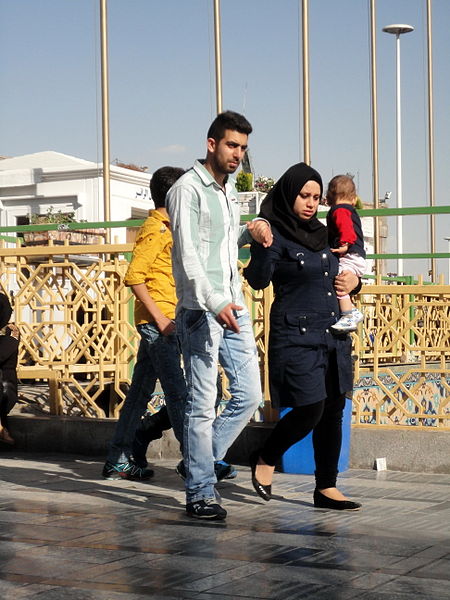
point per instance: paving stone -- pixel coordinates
(67, 533)
(10, 590)
(437, 569)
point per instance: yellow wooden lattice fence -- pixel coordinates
(75, 317)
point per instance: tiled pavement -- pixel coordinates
(67, 534)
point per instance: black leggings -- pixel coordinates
(324, 419)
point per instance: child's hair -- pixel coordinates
(161, 182)
(340, 187)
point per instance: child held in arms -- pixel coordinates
(346, 240)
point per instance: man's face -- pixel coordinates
(226, 154)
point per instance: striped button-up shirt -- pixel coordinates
(206, 237)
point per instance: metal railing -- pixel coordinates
(75, 317)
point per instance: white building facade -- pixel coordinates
(35, 183)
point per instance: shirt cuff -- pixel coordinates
(262, 219)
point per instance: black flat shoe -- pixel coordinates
(264, 491)
(321, 501)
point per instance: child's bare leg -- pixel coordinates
(345, 304)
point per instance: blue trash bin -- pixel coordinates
(300, 457)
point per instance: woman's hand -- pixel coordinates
(345, 283)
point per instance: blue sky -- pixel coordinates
(163, 97)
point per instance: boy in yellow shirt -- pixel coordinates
(150, 277)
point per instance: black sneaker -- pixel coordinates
(206, 509)
(115, 470)
(128, 470)
(136, 473)
(222, 469)
(181, 470)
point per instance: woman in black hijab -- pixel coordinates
(9, 346)
(310, 368)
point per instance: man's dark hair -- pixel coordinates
(160, 183)
(228, 120)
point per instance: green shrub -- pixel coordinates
(244, 182)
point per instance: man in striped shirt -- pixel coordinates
(212, 321)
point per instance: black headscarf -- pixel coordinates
(5, 310)
(278, 204)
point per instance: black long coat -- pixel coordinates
(307, 362)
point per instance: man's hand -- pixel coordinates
(165, 325)
(227, 319)
(341, 250)
(345, 283)
(261, 232)
(15, 333)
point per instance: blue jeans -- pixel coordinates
(207, 437)
(158, 358)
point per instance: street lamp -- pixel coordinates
(397, 30)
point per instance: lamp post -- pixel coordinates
(218, 55)
(398, 30)
(306, 94)
(105, 114)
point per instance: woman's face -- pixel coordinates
(307, 201)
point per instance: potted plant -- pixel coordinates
(62, 233)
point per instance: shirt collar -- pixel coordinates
(205, 175)
(158, 216)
